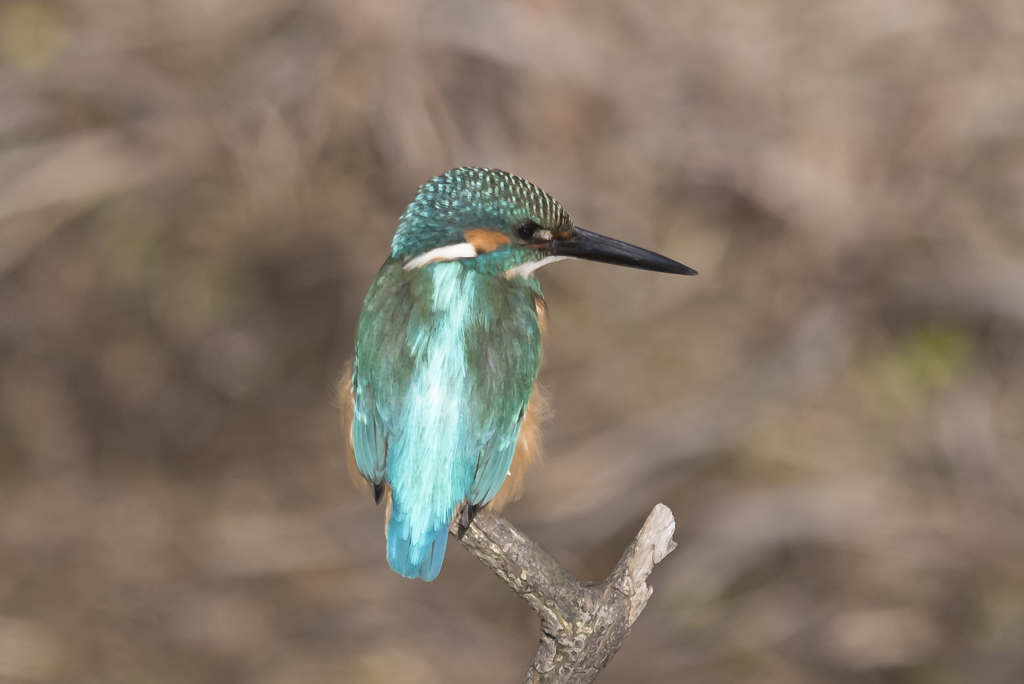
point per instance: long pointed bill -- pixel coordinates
(593, 247)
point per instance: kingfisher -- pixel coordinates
(441, 407)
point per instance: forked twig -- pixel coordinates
(582, 625)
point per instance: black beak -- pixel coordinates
(593, 247)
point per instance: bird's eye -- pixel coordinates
(527, 229)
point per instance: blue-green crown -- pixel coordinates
(469, 197)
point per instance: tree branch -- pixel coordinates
(582, 625)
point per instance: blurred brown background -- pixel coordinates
(196, 194)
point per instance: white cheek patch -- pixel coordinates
(463, 250)
(526, 270)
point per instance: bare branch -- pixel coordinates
(582, 625)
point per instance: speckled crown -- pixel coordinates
(472, 197)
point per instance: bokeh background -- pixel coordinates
(196, 194)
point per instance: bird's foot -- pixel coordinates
(469, 512)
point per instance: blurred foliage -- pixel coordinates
(30, 34)
(921, 363)
(196, 194)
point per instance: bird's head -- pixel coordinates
(499, 223)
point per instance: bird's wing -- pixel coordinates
(382, 359)
(346, 402)
(528, 445)
(508, 352)
(528, 449)
(369, 437)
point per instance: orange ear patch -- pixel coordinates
(484, 240)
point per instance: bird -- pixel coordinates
(441, 406)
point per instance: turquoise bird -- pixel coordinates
(442, 407)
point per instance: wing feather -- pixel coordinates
(513, 349)
(369, 437)
(528, 449)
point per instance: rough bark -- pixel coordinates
(582, 625)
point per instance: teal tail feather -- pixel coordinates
(415, 558)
